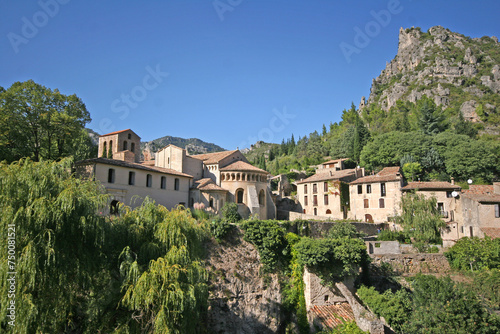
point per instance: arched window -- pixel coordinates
(132, 147)
(239, 196)
(315, 211)
(104, 150)
(176, 184)
(223, 177)
(125, 145)
(368, 218)
(262, 197)
(328, 212)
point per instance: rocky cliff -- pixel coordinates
(454, 70)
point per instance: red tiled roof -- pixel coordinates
(327, 176)
(492, 232)
(134, 165)
(385, 175)
(242, 166)
(479, 189)
(331, 316)
(206, 184)
(334, 161)
(114, 133)
(431, 186)
(213, 158)
(482, 193)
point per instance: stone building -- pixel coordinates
(176, 178)
(326, 193)
(376, 198)
(480, 211)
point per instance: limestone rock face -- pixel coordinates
(448, 67)
(241, 301)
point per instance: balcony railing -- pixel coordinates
(444, 214)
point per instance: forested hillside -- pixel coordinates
(441, 121)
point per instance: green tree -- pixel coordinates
(38, 122)
(475, 254)
(59, 247)
(230, 213)
(420, 218)
(428, 121)
(411, 170)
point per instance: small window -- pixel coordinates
(315, 188)
(497, 210)
(176, 184)
(131, 178)
(441, 207)
(315, 200)
(239, 196)
(129, 136)
(449, 194)
(326, 199)
(315, 211)
(132, 147)
(262, 197)
(360, 189)
(113, 208)
(163, 182)
(212, 203)
(305, 188)
(381, 203)
(325, 187)
(326, 298)
(125, 145)
(111, 175)
(305, 200)
(366, 203)
(328, 212)
(104, 150)
(149, 180)
(368, 188)
(382, 189)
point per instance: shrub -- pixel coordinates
(219, 228)
(230, 213)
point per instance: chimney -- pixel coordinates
(452, 180)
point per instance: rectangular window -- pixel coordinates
(305, 188)
(163, 183)
(360, 189)
(111, 175)
(131, 178)
(325, 187)
(315, 188)
(176, 184)
(497, 210)
(149, 180)
(449, 194)
(382, 189)
(305, 200)
(368, 188)
(366, 203)
(381, 203)
(315, 200)
(326, 199)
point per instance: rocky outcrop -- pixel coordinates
(241, 301)
(448, 67)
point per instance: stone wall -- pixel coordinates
(413, 263)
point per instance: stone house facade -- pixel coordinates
(376, 198)
(176, 178)
(325, 193)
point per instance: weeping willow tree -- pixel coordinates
(169, 293)
(58, 246)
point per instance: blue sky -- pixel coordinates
(226, 71)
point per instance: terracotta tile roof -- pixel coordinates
(206, 184)
(242, 166)
(482, 194)
(492, 232)
(134, 165)
(330, 316)
(331, 175)
(387, 174)
(114, 133)
(334, 161)
(431, 186)
(213, 158)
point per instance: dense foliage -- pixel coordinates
(78, 271)
(475, 254)
(41, 123)
(435, 305)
